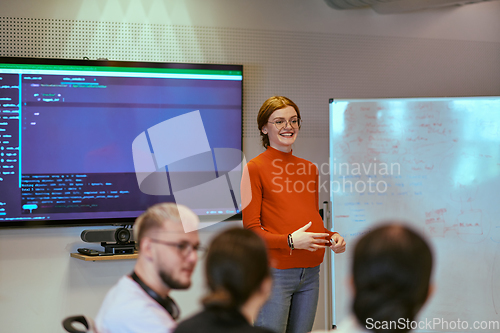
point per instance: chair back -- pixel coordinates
(70, 322)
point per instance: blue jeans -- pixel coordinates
(291, 308)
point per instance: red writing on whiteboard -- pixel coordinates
(434, 215)
(425, 116)
(435, 223)
(418, 138)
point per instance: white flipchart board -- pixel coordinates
(436, 162)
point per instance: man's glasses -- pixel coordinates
(282, 123)
(184, 248)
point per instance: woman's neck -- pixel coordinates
(284, 149)
(251, 308)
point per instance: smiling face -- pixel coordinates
(283, 138)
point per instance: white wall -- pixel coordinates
(299, 48)
(477, 22)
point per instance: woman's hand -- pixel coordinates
(338, 243)
(310, 241)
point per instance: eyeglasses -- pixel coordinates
(282, 123)
(184, 248)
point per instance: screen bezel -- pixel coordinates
(121, 221)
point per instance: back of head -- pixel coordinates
(391, 273)
(158, 216)
(235, 267)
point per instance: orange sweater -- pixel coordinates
(284, 198)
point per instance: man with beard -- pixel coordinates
(139, 302)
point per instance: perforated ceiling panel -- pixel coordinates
(309, 68)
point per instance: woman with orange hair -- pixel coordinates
(283, 209)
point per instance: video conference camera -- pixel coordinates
(115, 241)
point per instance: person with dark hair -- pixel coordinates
(391, 272)
(140, 302)
(239, 282)
(280, 200)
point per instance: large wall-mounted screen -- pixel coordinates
(97, 142)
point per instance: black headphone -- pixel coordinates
(167, 303)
